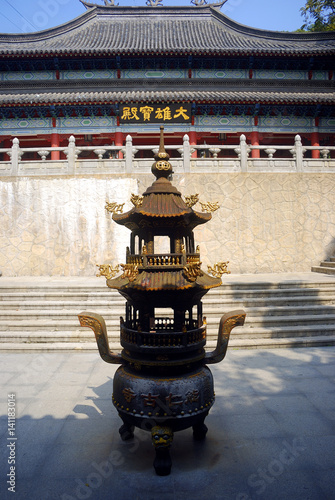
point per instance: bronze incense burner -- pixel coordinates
(163, 384)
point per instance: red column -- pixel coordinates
(315, 142)
(193, 142)
(119, 142)
(254, 138)
(55, 155)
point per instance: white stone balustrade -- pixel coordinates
(210, 158)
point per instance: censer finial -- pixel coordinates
(162, 153)
(162, 167)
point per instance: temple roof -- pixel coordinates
(297, 95)
(171, 30)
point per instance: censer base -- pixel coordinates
(162, 406)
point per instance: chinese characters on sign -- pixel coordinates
(155, 113)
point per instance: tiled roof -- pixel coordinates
(169, 30)
(171, 280)
(248, 96)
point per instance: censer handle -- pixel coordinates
(98, 325)
(227, 323)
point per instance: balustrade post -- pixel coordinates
(15, 156)
(129, 153)
(244, 153)
(71, 154)
(298, 153)
(186, 153)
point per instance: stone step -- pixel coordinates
(265, 288)
(212, 313)
(279, 331)
(234, 343)
(272, 311)
(67, 319)
(220, 302)
(50, 305)
(277, 311)
(327, 263)
(248, 299)
(222, 292)
(87, 335)
(323, 269)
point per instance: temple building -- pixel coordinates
(249, 122)
(116, 70)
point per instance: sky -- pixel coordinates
(17, 16)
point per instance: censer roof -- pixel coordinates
(147, 280)
(162, 199)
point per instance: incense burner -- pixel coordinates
(163, 384)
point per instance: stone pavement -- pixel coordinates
(271, 431)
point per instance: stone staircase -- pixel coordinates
(325, 267)
(42, 314)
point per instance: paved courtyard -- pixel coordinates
(271, 431)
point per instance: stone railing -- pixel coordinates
(185, 158)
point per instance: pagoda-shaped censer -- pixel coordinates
(163, 384)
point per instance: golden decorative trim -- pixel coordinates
(191, 200)
(163, 165)
(114, 208)
(210, 207)
(107, 270)
(219, 269)
(130, 271)
(193, 270)
(136, 200)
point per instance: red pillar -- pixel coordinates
(193, 142)
(254, 138)
(119, 142)
(315, 142)
(55, 155)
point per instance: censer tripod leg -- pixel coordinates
(162, 437)
(126, 430)
(200, 430)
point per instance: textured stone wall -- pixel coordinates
(266, 223)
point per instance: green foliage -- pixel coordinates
(319, 15)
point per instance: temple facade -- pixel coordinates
(249, 124)
(117, 70)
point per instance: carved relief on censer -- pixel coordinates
(163, 384)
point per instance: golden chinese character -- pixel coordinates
(129, 113)
(173, 400)
(146, 111)
(129, 394)
(192, 396)
(163, 114)
(181, 112)
(150, 399)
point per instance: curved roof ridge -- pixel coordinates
(186, 30)
(47, 33)
(249, 30)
